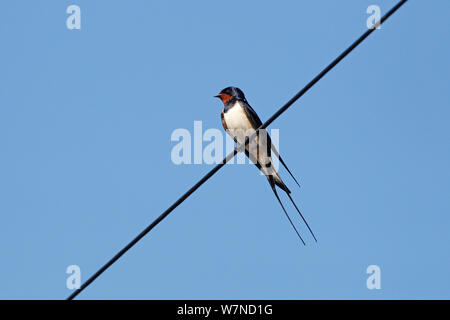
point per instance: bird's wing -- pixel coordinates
(275, 151)
(252, 116)
(261, 155)
(256, 122)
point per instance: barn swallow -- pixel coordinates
(240, 121)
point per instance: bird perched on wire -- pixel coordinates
(240, 121)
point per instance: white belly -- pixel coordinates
(237, 123)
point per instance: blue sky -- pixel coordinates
(85, 123)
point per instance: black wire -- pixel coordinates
(232, 154)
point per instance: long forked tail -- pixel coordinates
(301, 215)
(276, 180)
(272, 185)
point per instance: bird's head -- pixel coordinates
(230, 95)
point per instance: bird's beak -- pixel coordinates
(217, 95)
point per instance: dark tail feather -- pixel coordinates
(272, 185)
(301, 215)
(281, 184)
(287, 169)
